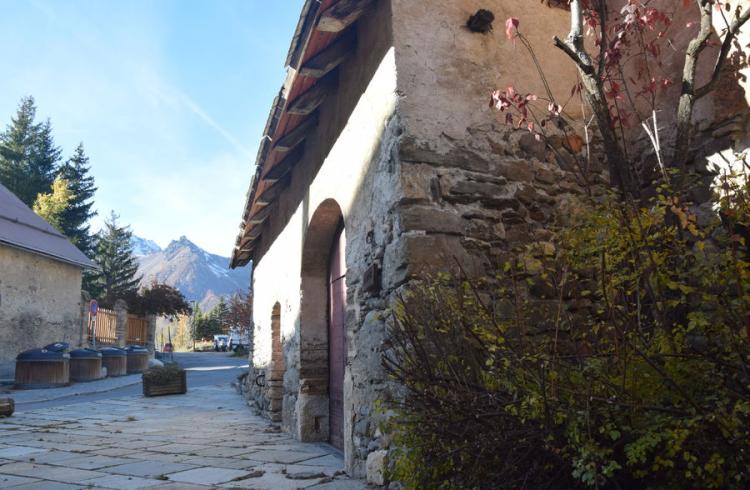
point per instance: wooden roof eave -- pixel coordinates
(334, 19)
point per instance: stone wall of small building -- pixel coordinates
(40, 303)
(425, 177)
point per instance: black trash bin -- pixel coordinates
(42, 368)
(85, 365)
(57, 347)
(115, 360)
(137, 359)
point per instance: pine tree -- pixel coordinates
(220, 314)
(45, 157)
(53, 205)
(119, 268)
(28, 155)
(75, 218)
(15, 145)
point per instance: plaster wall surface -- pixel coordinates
(39, 304)
(447, 72)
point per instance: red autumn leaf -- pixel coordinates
(511, 28)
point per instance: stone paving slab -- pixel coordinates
(48, 485)
(91, 462)
(207, 475)
(19, 452)
(179, 448)
(271, 456)
(180, 486)
(47, 472)
(230, 463)
(164, 457)
(163, 443)
(50, 457)
(150, 468)
(270, 481)
(328, 460)
(222, 452)
(115, 451)
(341, 485)
(11, 480)
(123, 482)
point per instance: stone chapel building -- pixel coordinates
(381, 160)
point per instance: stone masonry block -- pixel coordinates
(377, 462)
(431, 219)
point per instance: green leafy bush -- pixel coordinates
(615, 357)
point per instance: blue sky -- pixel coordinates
(169, 97)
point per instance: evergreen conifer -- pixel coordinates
(28, 154)
(74, 219)
(117, 277)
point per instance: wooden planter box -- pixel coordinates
(7, 406)
(176, 386)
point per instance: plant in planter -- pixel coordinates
(169, 379)
(7, 407)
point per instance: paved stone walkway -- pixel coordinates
(205, 439)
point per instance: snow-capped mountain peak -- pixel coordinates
(201, 276)
(143, 247)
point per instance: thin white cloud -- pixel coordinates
(161, 160)
(161, 87)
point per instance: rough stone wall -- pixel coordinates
(40, 303)
(425, 176)
(472, 188)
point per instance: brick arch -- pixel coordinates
(276, 376)
(277, 353)
(313, 400)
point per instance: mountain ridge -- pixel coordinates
(201, 276)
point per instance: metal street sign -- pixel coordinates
(93, 307)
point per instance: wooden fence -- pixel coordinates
(105, 327)
(137, 330)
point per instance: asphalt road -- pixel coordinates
(203, 369)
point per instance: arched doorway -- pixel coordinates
(337, 338)
(276, 375)
(320, 402)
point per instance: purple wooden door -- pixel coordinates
(337, 339)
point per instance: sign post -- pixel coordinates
(93, 308)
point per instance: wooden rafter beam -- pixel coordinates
(307, 102)
(281, 168)
(297, 135)
(331, 57)
(273, 192)
(341, 15)
(260, 216)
